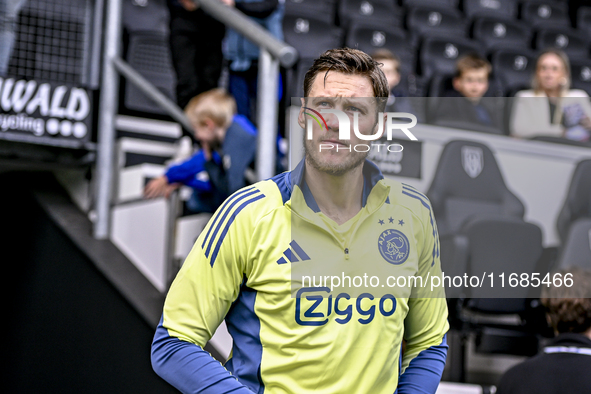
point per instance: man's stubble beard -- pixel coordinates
(354, 159)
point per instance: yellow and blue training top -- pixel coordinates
(299, 336)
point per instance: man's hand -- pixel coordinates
(229, 3)
(159, 187)
(189, 5)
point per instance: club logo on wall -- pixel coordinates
(44, 110)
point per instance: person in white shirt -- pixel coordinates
(551, 108)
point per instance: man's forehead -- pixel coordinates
(337, 84)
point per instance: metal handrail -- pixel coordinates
(272, 53)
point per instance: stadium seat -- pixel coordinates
(542, 14)
(369, 38)
(496, 33)
(576, 250)
(513, 69)
(577, 204)
(149, 54)
(584, 20)
(320, 9)
(439, 21)
(375, 12)
(481, 229)
(310, 36)
(439, 54)
(506, 9)
(574, 43)
(581, 75)
(440, 3)
(153, 16)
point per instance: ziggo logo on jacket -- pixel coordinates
(317, 307)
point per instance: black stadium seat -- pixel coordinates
(581, 75)
(574, 43)
(370, 38)
(435, 21)
(440, 54)
(584, 20)
(506, 9)
(497, 33)
(441, 3)
(149, 54)
(542, 14)
(310, 36)
(296, 80)
(481, 230)
(320, 9)
(576, 251)
(577, 203)
(376, 12)
(513, 69)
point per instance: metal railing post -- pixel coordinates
(106, 122)
(267, 108)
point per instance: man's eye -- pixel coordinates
(323, 104)
(353, 109)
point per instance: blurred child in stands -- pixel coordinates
(464, 107)
(564, 365)
(398, 100)
(224, 163)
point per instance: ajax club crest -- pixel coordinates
(394, 246)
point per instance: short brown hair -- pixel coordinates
(215, 104)
(569, 308)
(471, 62)
(348, 61)
(385, 54)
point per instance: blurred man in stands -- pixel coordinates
(464, 106)
(243, 55)
(551, 108)
(398, 100)
(564, 365)
(196, 48)
(223, 165)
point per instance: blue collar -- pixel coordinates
(371, 176)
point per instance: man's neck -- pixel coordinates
(338, 197)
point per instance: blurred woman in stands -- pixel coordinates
(9, 10)
(551, 108)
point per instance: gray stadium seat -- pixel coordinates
(440, 3)
(435, 21)
(440, 54)
(542, 14)
(310, 36)
(577, 203)
(513, 69)
(496, 33)
(581, 74)
(376, 12)
(370, 38)
(320, 9)
(574, 43)
(576, 251)
(584, 20)
(506, 9)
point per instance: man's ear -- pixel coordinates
(301, 116)
(456, 83)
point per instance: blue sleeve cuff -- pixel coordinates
(423, 374)
(189, 368)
